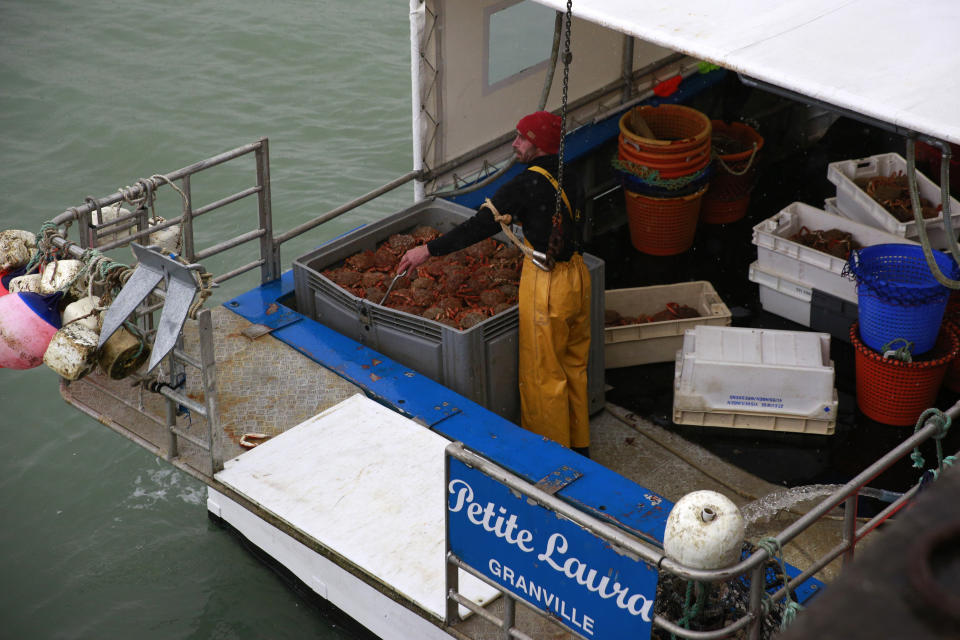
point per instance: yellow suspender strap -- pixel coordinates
(553, 181)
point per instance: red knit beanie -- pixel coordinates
(542, 128)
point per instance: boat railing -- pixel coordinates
(97, 232)
(630, 546)
(104, 233)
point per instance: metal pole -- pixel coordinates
(626, 67)
(756, 601)
(269, 251)
(850, 526)
(417, 18)
(208, 377)
(186, 225)
(137, 190)
(452, 575)
(509, 616)
(353, 204)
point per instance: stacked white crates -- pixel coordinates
(788, 271)
(755, 379)
(852, 201)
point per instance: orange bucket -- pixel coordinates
(677, 128)
(734, 172)
(894, 392)
(668, 165)
(663, 226)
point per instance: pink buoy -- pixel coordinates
(28, 322)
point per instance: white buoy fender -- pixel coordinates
(705, 530)
(25, 284)
(72, 351)
(6, 275)
(27, 324)
(83, 312)
(16, 248)
(168, 239)
(58, 274)
(109, 214)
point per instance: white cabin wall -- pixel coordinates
(469, 115)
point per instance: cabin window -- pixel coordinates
(519, 37)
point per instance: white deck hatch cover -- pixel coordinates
(887, 59)
(366, 483)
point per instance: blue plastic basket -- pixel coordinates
(898, 296)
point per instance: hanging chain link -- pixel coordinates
(567, 57)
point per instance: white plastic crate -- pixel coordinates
(782, 296)
(854, 203)
(755, 378)
(776, 253)
(634, 344)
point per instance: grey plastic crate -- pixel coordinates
(832, 315)
(479, 363)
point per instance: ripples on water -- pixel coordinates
(100, 539)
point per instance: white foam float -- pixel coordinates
(705, 530)
(16, 248)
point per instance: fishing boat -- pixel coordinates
(375, 454)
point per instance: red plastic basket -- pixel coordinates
(734, 174)
(894, 392)
(663, 226)
(951, 380)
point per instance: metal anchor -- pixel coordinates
(153, 267)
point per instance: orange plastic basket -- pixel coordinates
(663, 226)
(894, 392)
(678, 128)
(667, 165)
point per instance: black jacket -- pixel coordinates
(531, 200)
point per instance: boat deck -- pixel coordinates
(268, 387)
(263, 387)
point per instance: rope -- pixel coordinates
(45, 250)
(732, 172)
(943, 422)
(692, 611)
(504, 220)
(652, 176)
(772, 546)
(901, 353)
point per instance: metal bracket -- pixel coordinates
(558, 479)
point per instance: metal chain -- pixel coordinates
(563, 112)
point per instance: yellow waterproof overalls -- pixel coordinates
(554, 328)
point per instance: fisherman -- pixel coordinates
(554, 323)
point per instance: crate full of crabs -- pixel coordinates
(454, 321)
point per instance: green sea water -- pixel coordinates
(98, 538)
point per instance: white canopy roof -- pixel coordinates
(897, 61)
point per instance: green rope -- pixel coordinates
(943, 425)
(691, 612)
(135, 331)
(44, 250)
(652, 176)
(791, 607)
(901, 353)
